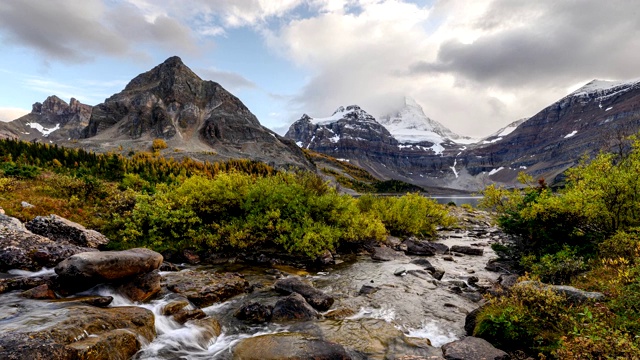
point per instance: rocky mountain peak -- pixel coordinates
(169, 74)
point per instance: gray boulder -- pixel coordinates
(472, 348)
(313, 296)
(293, 308)
(87, 269)
(11, 223)
(573, 295)
(60, 229)
(468, 250)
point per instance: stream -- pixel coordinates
(398, 316)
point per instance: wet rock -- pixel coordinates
(40, 292)
(447, 258)
(288, 346)
(339, 314)
(573, 295)
(438, 274)
(97, 301)
(472, 296)
(191, 257)
(369, 337)
(314, 297)
(84, 270)
(184, 315)
(293, 308)
(204, 288)
(64, 334)
(424, 248)
(468, 250)
(366, 290)
(27, 251)
(174, 306)
(472, 348)
(114, 344)
(254, 312)
(425, 263)
(400, 271)
(472, 280)
(458, 283)
(385, 254)
(326, 258)
(410, 348)
(210, 329)
(142, 287)
(25, 282)
(500, 265)
(470, 321)
(167, 266)
(60, 229)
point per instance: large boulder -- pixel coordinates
(115, 334)
(91, 268)
(293, 308)
(288, 346)
(424, 248)
(468, 250)
(11, 223)
(314, 297)
(381, 253)
(21, 249)
(60, 229)
(254, 312)
(472, 348)
(205, 288)
(142, 287)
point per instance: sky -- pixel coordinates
(474, 66)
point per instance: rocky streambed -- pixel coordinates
(406, 299)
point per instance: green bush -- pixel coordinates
(20, 171)
(555, 268)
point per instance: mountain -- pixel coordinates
(593, 118)
(498, 135)
(411, 125)
(352, 134)
(53, 120)
(196, 118)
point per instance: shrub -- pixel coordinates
(158, 144)
(20, 171)
(555, 268)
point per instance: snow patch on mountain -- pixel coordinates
(605, 89)
(44, 131)
(411, 125)
(352, 112)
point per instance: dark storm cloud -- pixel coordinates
(78, 30)
(545, 42)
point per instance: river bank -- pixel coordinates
(408, 297)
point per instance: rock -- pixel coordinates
(191, 257)
(84, 270)
(20, 249)
(366, 290)
(392, 241)
(94, 300)
(184, 315)
(438, 274)
(573, 295)
(339, 314)
(472, 348)
(314, 297)
(325, 258)
(508, 281)
(39, 292)
(167, 266)
(425, 248)
(254, 312)
(26, 205)
(385, 254)
(293, 308)
(400, 271)
(369, 337)
(500, 265)
(472, 280)
(468, 250)
(470, 321)
(204, 288)
(174, 306)
(210, 329)
(11, 223)
(447, 258)
(25, 282)
(288, 346)
(142, 287)
(64, 334)
(60, 229)
(424, 262)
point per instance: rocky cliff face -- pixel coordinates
(52, 120)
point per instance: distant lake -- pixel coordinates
(457, 199)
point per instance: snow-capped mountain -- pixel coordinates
(500, 134)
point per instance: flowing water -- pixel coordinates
(404, 308)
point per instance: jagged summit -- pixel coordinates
(349, 113)
(410, 125)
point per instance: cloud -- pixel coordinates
(230, 80)
(86, 91)
(76, 31)
(473, 66)
(9, 114)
